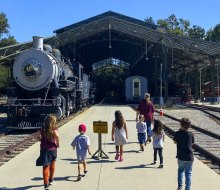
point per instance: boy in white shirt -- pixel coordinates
(82, 144)
(141, 129)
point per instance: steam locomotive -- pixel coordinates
(43, 83)
(182, 91)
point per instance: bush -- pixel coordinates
(4, 76)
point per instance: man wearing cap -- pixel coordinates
(146, 108)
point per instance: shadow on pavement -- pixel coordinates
(20, 188)
(143, 166)
(65, 178)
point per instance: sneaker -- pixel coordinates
(79, 177)
(160, 166)
(153, 163)
(46, 187)
(85, 172)
(117, 156)
(140, 151)
(121, 159)
(50, 181)
(179, 188)
(149, 140)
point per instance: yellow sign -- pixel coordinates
(100, 126)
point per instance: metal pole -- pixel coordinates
(200, 84)
(217, 86)
(161, 83)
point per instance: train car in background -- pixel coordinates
(135, 87)
(207, 89)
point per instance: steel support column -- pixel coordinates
(197, 76)
(156, 72)
(212, 61)
(165, 50)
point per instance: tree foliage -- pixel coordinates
(213, 34)
(174, 25)
(149, 20)
(178, 26)
(5, 40)
(196, 32)
(4, 76)
(4, 26)
(110, 81)
(4, 31)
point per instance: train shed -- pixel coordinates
(146, 47)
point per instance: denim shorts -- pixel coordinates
(141, 138)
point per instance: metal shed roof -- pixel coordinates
(186, 52)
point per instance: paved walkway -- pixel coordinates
(134, 173)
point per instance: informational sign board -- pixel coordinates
(100, 126)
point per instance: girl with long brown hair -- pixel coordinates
(49, 138)
(158, 139)
(119, 134)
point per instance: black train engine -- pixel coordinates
(182, 91)
(42, 84)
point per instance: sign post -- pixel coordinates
(100, 127)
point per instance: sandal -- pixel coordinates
(117, 156)
(121, 159)
(79, 177)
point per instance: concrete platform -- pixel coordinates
(135, 172)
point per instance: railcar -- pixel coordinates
(135, 88)
(43, 83)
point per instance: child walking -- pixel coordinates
(184, 140)
(158, 139)
(119, 134)
(82, 144)
(49, 138)
(141, 129)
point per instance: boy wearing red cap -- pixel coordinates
(82, 143)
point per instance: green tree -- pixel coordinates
(110, 81)
(174, 25)
(179, 26)
(4, 76)
(196, 32)
(7, 41)
(213, 34)
(149, 20)
(4, 31)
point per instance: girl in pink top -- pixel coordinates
(49, 138)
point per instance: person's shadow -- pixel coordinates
(21, 188)
(65, 178)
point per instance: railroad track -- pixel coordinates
(214, 112)
(207, 143)
(13, 142)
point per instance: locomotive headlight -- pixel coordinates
(31, 69)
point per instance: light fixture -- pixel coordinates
(172, 67)
(74, 51)
(109, 36)
(146, 58)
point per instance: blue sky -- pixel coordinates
(41, 17)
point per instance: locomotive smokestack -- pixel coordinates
(38, 42)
